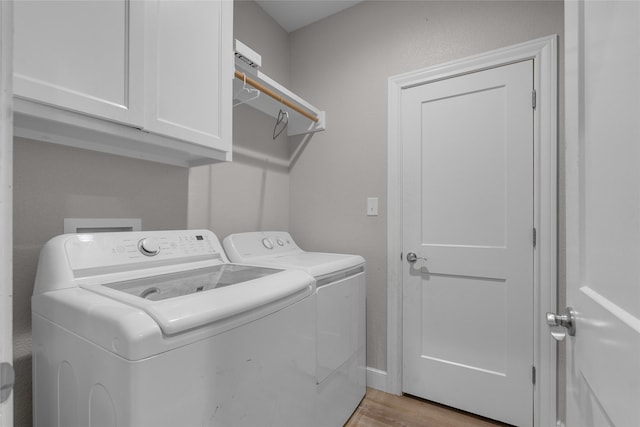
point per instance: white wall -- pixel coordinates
(248, 194)
(341, 64)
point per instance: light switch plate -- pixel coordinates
(372, 206)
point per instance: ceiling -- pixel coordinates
(294, 14)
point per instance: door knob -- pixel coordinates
(412, 257)
(562, 324)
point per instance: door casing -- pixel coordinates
(6, 197)
(543, 51)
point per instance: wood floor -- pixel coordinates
(379, 409)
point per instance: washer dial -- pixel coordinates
(149, 246)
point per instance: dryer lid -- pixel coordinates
(315, 263)
(186, 300)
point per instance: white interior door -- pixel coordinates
(468, 209)
(6, 241)
(602, 58)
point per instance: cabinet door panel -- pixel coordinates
(84, 56)
(189, 71)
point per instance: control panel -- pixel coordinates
(259, 243)
(113, 249)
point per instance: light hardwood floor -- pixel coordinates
(379, 409)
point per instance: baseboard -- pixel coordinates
(376, 379)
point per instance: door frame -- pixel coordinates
(6, 197)
(543, 51)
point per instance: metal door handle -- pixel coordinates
(412, 257)
(566, 321)
(7, 378)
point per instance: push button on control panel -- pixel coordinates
(149, 246)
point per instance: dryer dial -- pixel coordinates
(267, 243)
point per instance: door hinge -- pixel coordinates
(533, 99)
(533, 375)
(535, 237)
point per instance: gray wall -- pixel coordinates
(250, 193)
(342, 64)
(53, 182)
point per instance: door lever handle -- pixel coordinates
(412, 257)
(7, 380)
(566, 321)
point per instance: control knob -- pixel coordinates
(267, 243)
(149, 246)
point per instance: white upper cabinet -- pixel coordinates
(149, 79)
(85, 56)
(187, 73)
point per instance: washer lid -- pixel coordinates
(186, 300)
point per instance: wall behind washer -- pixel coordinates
(342, 65)
(52, 182)
(252, 192)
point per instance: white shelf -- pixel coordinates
(298, 123)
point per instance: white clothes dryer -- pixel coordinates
(341, 329)
(151, 329)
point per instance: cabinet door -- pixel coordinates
(84, 56)
(189, 71)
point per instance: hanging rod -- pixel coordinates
(274, 95)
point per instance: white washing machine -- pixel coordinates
(341, 333)
(151, 329)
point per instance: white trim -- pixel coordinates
(376, 379)
(6, 197)
(544, 53)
